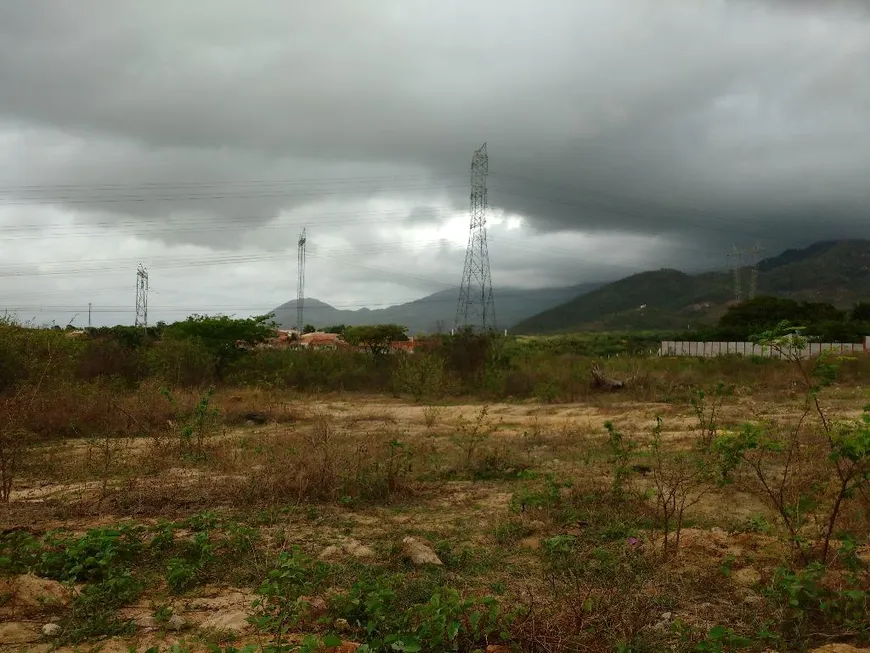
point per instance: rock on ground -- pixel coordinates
(357, 549)
(176, 622)
(419, 553)
(50, 630)
(840, 648)
(349, 546)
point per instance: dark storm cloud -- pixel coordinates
(716, 121)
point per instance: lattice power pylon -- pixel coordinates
(754, 253)
(141, 297)
(300, 283)
(736, 264)
(476, 306)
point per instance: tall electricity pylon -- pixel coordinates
(476, 306)
(300, 282)
(141, 297)
(754, 253)
(735, 262)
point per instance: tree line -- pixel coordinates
(821, 321)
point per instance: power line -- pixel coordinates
(255, 308)
(72, 267)
(253, 182)
(221, 196)
(212, 224)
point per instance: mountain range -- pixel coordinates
(837, 272)
(433, 313)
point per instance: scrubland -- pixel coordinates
(475, 496)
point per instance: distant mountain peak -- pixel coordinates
(431, 313)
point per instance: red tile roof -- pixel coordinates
(319, 339)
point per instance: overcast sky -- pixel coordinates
(199, 137)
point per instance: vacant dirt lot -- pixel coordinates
(377, 505)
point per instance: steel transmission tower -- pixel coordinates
(300, 282)
(141, 297)
(476, 305)
(753, 271)
(736, 264)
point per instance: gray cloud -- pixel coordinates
(706, 123)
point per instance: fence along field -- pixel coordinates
(807, 350)
(165, 492)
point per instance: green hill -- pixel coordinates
(837, 272)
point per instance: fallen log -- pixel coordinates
(600, 380)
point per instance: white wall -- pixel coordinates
(710, 349)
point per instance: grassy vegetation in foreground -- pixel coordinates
(684, 514)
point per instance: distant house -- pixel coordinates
(320, 340)
(281, 339)
(406, 346)
(288, 339)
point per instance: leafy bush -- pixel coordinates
(444, 623)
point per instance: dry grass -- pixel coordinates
(517, 498)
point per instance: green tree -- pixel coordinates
(765, 312)
(222, 336)
(308, 328)
(376, 338)
(860, 312)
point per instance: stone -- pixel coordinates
(15, 632)
(349, 546)
(50, 630)
(235, 621)
(145, 621)
(357, 549)
(176, 622)
(419, 553)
